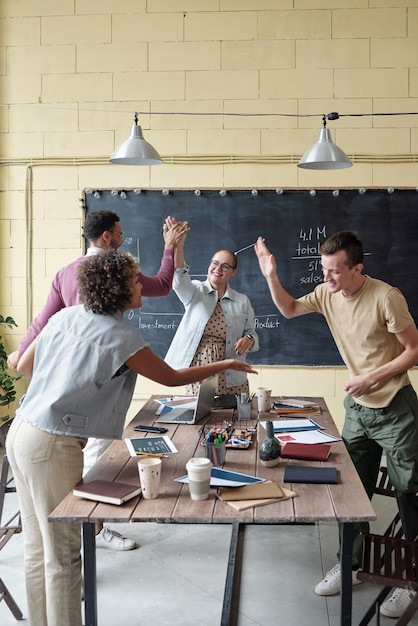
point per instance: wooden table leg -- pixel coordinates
(230, 575)
(90, 588)
(346, 561)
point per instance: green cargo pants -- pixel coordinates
(393, 429)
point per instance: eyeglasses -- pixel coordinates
(114, 232)
(223, 266)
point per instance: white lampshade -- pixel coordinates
(324, 155)
(135, 150)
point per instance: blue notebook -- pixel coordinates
(310, 474)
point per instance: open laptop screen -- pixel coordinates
(204, 404)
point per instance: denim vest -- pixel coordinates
(80, 385)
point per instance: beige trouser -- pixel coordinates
(45, 468)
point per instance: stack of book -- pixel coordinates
(295, 406)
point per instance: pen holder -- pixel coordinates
(244, 410)
(216, 452)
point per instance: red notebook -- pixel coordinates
(306, 451)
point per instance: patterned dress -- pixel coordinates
(212, 348)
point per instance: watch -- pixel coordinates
(250, 337)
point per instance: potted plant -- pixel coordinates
(7, 380)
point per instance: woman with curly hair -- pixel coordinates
(83, 367)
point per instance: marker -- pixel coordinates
(246, 247)
(151, 429)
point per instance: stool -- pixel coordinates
(6, 482)
(6, 533)
(6, 486)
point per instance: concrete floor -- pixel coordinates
(177, 575)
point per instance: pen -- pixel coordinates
(159, 456)
(151, 429)
(215, 454)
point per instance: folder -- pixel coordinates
(268, 489)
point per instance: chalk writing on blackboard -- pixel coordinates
(294, 224)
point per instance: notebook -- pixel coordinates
(308, 451)
(204, 403)
(106, 491)
(308, 474)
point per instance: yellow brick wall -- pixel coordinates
(73, 73)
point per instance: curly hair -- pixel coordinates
(104, 280)
(98, 222)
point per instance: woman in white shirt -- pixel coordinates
(218, 321)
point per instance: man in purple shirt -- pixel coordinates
(103, 230)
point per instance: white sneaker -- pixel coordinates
(108, 538)
(331, 584)
(397, 603)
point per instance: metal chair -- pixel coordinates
(385, 488)
(389, 560)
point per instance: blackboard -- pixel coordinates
(294, 224)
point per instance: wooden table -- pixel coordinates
(345, 502)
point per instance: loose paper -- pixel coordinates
(225, 478)
(307, 436)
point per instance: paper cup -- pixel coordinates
(198, 471)
(263, 399)
(149, 470)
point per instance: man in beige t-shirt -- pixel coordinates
(378, 341)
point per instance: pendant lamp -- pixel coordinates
(135, 150)
(325, 155)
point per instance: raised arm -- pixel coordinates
(179, 247)
(288, 306)
(160, 285)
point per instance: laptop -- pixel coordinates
(204, 403)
